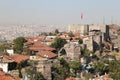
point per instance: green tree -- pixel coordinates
(19, 44)
(44, 33)
(56, 31)
(75, 66)
(114, 69)
(88, 76)
(20, 66)
(80, 40)
(34, 75)
(39, 76)
(57, 72)
(58, 43)
(51, 34)
(60, 71)
(70, 34)
(85, 52)
(3, 47)
(32, 72)
(64, 63)
(100, 67)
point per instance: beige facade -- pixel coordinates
(78, 28)
(96, 27)
(93, 42)
(73, 51)
(88, 41)
(44, 66)
(96, 35)
(83, 29)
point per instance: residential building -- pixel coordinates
(4, 62)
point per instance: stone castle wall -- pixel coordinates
(73, 51)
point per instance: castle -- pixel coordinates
(95, 35)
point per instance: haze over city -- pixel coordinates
(59, 40)
(59, 11)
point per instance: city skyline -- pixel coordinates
(59, 11)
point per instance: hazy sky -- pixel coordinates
(59, 11)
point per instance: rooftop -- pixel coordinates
(18, 58)
(44, 48)
(46, 54)
(5, 58)
(4, 76)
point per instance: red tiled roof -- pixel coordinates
(39, 38)
(49, 40)
(64, 35)
(1, 73)
(28, 42)
(3, 76)
(34, 40)
(37, 43)
(78, 36)
(18, 58)
(44, 48)
(46, 54)
(6, 58)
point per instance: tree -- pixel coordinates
(58, 43)
(20, 66)
(51, 34)
(100, 67)
(39, 76)
(70, 34)
(60, 72)
(34, 75)
(3, 47)
(75, 66)
(19, 44)
(114, 69)
(57, 72)
(56, 31)
(85, 52)
(88, 76)
(32, 72)
(80, 40)
(64, 63)
(44, 33)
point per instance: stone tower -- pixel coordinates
(73, 51)
(44, 66)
